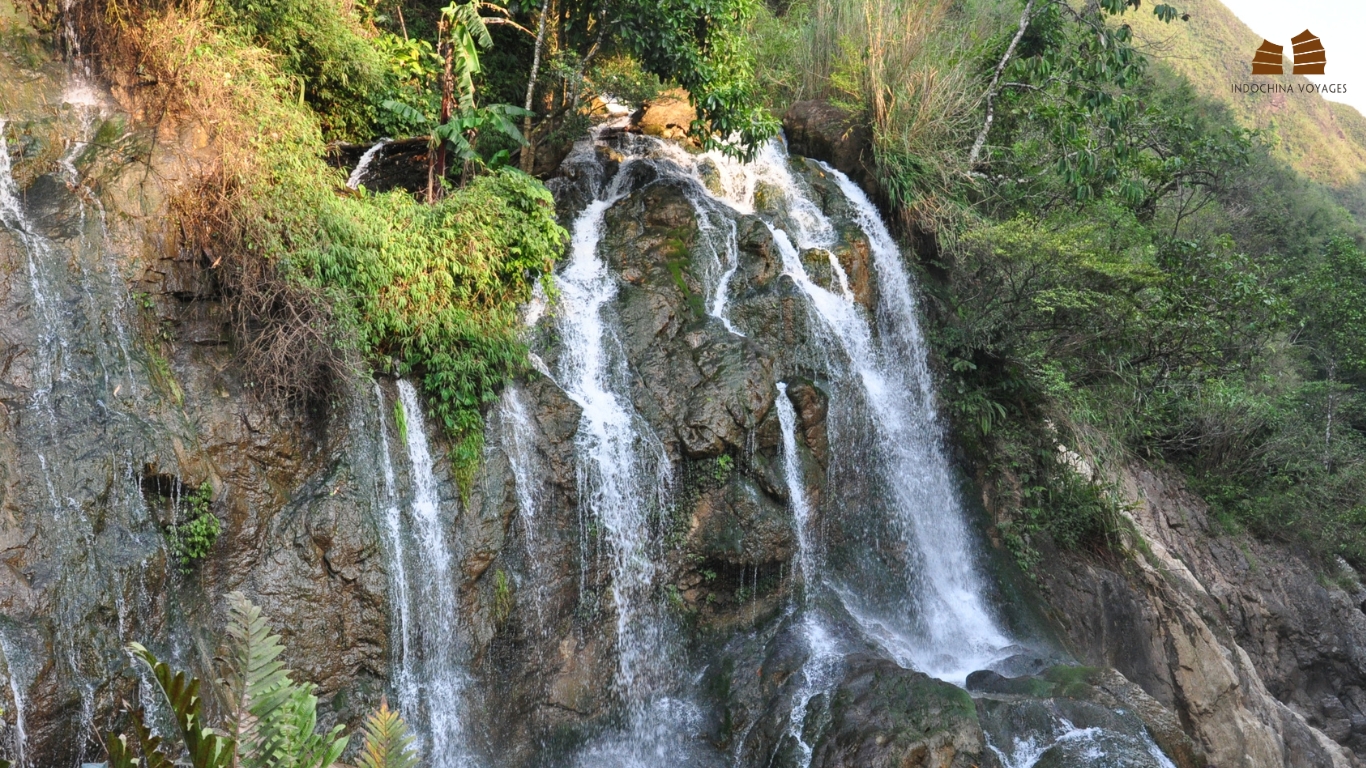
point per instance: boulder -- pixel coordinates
(823, 131)
(883, 716)
(668, 116)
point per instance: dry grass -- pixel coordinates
(173, 65)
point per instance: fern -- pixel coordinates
(207, 747)
(387, 742)
(256, 684)
(271, 721)
(271, 717)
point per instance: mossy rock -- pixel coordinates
(884, 716)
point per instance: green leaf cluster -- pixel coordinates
(196, 529)
(270, 720)
(1085, 118)
(325, 51)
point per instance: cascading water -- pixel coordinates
(394, 540)
(623, 471)
(939, 622)
(933, 616)
(823, 650)
(84, 421)
(363, 165)
(441, 679)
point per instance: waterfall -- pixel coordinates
(392, 531)
(36, 247)
(442, 679)
(623, 472)
(937, 620)
(363, 166)
(796, 484)
(17, 689)
(940, 623)
(823, 651)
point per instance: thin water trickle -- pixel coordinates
(442, 680)
(17, 687)
(394, 542)
(796, 484)
(36, 249)
(517, 438)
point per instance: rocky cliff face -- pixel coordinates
(121, 398)
(1258, 651)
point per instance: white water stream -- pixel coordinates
(407, 672)
(623, 472)
(363, 165)
(943, 627)
(441, 682)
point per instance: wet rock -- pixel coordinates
(738, 523)
(823, 131)
(883, 716)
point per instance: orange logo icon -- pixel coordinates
(1309, 55)
(1269, 59)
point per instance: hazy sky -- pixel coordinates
(1340, 24)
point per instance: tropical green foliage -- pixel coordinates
(205, 747)
(325, 54)
(1145, 279)
(387, 742)
(698, 44)
(437, 288)
(270, 721)
(194, 533)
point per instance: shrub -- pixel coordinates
(194, 533)
(269, 720)
(321, 278)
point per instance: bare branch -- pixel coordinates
(995, 80)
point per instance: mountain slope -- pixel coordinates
(1324, 140)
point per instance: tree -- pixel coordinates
(1075, 116)
(694, 43)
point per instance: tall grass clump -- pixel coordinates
(322, 279)
(908, 69)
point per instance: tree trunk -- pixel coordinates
(437, 156)
(529, 151)
(995, 81)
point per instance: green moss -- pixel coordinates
(1072, 681)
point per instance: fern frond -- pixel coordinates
(272, 716)
(207, 748)
(256, 683)
(297, 745)
(387, 741)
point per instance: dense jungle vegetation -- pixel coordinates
(1114, 266)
